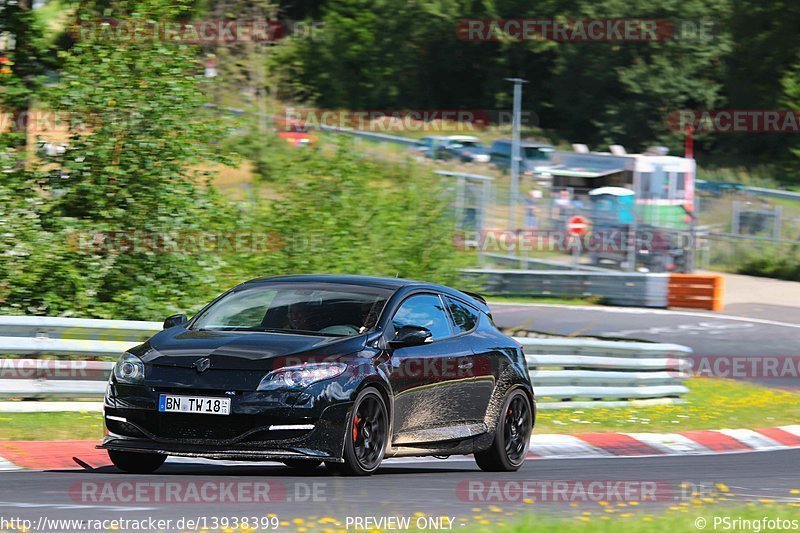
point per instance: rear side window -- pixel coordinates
(423, 311)
(465, 317)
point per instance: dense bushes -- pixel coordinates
(772, 265)
(339, 212)
(324, 213)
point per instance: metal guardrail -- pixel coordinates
(614, 288)
(605, 371)
(774, 193)
(372, 136)
(722, 186)
(561, 369)
(77, 328)
(712, 235)
(535, 263)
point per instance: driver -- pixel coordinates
(297, 316)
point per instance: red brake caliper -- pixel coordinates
(356, 420)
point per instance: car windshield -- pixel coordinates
(469, 144)
(299, 308)
(537, 153)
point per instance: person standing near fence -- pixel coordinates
(531, 209)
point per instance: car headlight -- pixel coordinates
(129, 369)
(300, 376)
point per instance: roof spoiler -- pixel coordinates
(477, 296)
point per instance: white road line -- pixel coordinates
(752, 439)
(66, 506)
(640, 310)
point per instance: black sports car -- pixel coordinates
(344, 370)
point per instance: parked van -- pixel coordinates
(533, 154)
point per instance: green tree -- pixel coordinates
(338, 212)
(388, 54)
(408, 55)
(790, 83)
(21, 66)
(136, 164)
(623, 92)
(766, 45)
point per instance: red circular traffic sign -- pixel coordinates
(578, 226)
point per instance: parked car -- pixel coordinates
(465, 148)
(295, 132)
(429, 146)
(613, 213)
(533, 155)
(344, 370)
(657, 250)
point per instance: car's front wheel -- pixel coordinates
(512, 434)
(136, 463)
(366, 436)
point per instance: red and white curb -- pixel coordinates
(5, 465)
(697, 442)
(45, 455)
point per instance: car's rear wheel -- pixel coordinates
(512, 434)
(302, 465)
(136, 463)
(366, 436)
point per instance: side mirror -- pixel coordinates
(412, 336)
(175, 320)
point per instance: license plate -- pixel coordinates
(194, 404)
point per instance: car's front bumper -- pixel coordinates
(261, 426)
(280, 451)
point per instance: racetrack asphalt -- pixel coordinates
(399, 489)
(711, 335)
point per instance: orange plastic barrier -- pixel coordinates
(696, 291)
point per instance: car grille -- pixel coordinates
(178, 426)
(196, 427)
(206, 429)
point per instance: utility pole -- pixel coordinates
(690, 182)
(516, 158)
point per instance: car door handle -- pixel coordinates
(465, 366)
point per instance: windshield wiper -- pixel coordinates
(301, 332)
(284, 331)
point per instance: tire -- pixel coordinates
(511, 437)
(302, 465)
(366, 436)
(136, 463)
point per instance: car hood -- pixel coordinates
(233, 350)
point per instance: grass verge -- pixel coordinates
(712, 403)
(51, 426)
(755, 516)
